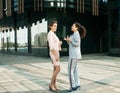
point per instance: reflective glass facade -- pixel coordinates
(22, 40)
(39, 38)
(114, 27)
(11, 41)
(25, 30)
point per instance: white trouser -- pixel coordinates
(73, 73)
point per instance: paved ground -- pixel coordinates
(26, 74)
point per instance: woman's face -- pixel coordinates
(74, 28)
(54, 27)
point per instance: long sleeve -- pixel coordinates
(53, 41)
(74, 46)
(75, 40)
(50, 41)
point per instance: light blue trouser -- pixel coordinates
(73, 73)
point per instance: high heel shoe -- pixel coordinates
(57, 89)
(52, 88)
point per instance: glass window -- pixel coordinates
(0, 40)
(11, 41)
(105, 1)
(52, 3)
(115, 36)
(55, 3)
(15, 4)
(39, 37)
(61, 3)
(5, 40)
(22, 40)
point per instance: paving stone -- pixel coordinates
(2, 89)
(24, 74)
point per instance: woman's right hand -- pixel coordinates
(57, 59)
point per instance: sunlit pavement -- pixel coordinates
(99, 73)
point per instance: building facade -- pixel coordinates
(114, 27)
(24, 24)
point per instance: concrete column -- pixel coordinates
(29, 39)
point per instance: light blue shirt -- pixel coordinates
(74, 46)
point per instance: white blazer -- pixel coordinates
(53, 40)
(74, 46)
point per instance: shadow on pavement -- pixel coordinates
(39, 91)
